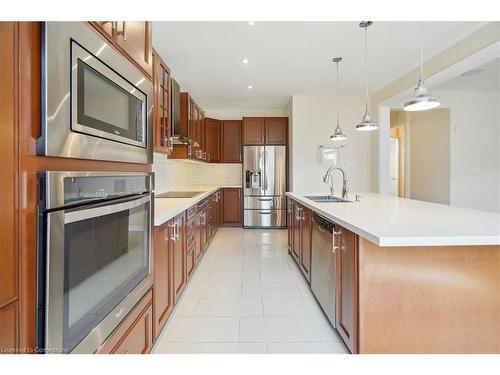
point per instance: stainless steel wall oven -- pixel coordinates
(95, 103)
(94, 253)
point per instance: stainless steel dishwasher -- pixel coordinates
(323, 266)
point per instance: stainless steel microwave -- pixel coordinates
(95, 103)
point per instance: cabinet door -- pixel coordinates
(138, 339)
(289, 222)
(231, 141)
(162, 105)
(253, 130)
(203, 229)
(212, 138)
(297, 232)
(276, 130)
(231, 206)
(192, 245)
(179, 255)
(134, 38)
(306, 246)
(347, 287)
(163, 299)
(199, 237)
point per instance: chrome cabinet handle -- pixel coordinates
(173, 231)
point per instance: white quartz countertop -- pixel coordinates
(391, 221)
(167, 208)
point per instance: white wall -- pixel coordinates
(237, 114)
(313, 121)
(474, 147)
(429, 139)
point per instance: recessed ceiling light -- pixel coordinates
(251, 23)
(250, 87)
(245, 61)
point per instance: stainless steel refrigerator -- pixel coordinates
(264, 186)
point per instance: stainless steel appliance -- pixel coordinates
(323, 266)
(94, 255)
(264, 183)
(95, 103)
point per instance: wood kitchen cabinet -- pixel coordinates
(178, 244)
(132, 38)
(347, 287)
(163, 291)
(254, 130)
(162, 106)
(212, 144)
(231, 207)
(191, 127)
(289, 223)
(230, 139)
(265, 130)
(300, 236)
(135, 334)
(192, 245)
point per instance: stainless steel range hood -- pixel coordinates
(177, 136)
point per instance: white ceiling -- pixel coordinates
(288, 58)
(485, 77)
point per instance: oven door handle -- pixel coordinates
(88, 213)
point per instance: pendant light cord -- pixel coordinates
(421, 50)
(366, 68)
(337, 92)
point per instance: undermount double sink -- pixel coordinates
(179, 194)
(326, 199)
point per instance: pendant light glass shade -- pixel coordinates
(366, 124)
(422, 100)
(338, 135)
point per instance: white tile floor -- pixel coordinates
(247, 296)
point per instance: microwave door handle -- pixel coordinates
(88, 213)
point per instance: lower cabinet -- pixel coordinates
(347, 287)
(135, 334)
(163, 291)
(192, 245)
(232, 213)
(178, 244)
(299, 237)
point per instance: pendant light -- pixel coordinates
(422, 101)
(366, 124)
(338, 135)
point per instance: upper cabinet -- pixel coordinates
(230, 139)
(276, 130)
(212, 142)
(265, 130)
(132, 38)
(254, 130)
(162, 106)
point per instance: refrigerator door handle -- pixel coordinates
(265, 171)
(265, 199)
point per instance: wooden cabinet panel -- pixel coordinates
(162, 130)
(212, 139)
(254, 130)
(231, 141)
(347, 287)
(306, 245)
(231, 207)
(192, 244)
(135, 334)
(163, 298)
(179, 255)
(134, 38)
(9, 342)
(276, 130)
(105, 28)
(289, 223)
(138, 339)
(297, 212)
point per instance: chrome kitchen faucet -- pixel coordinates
(328, 175)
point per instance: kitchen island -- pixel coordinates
(412, 276)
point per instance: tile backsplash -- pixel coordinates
(171, 173)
